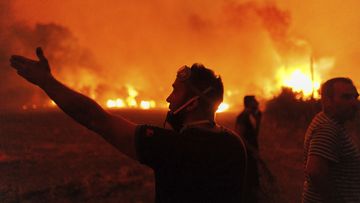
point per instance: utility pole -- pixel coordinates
(312, 76)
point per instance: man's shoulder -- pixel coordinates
(151, 130)
(242, 115)
(217, 130)
(323, 129)
(219, 133)
(228, 132)
(322, 121)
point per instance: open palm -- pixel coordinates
(36, 72)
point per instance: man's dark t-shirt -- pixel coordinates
(251, 131)
(196, 165)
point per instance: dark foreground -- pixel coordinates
(47, 157)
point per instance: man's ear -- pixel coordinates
(193, 105)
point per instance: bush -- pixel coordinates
(289, 106)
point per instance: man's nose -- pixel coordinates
(168, 99)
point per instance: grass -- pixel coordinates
(47, 157)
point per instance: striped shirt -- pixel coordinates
(328, 139)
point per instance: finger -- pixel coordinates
(17, 65)
(21, 59)
(20, 72)
(40, 55)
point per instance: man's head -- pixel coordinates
(339, 98)
(251, 103)
(196, 81)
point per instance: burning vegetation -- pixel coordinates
(257, 47)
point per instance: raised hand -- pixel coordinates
(36, 72)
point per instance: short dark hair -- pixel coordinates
(248, 99)
(327, 88)
(201, 78)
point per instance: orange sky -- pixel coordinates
(143, 43)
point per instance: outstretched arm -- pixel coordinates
(114, 129)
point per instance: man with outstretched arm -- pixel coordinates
(197, 161)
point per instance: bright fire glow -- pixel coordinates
(223, 107)
(115, 103)
(131, 101)
(147, 104)
(300, 80)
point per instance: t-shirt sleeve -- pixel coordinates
(324, 143)
(155, 146)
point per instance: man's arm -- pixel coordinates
(318, 171)
(116, 130)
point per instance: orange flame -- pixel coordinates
(301, 79)
(147, 104)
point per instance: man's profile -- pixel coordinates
(197, 161)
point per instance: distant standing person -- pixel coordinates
(248, 121)
(247, 126)
(331, 159)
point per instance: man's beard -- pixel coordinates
(176, 121)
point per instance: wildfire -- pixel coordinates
(132, 102)
(300, 80)
(115, 103)
(147, 104)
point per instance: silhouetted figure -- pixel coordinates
(247, 126)
(198, 161)
(248, 121)
(331, 159)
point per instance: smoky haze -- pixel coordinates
(100, 48)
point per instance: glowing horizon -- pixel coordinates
(248, 43)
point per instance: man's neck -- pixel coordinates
(194, 118)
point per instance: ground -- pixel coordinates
(47, 157)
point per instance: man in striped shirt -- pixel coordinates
(331, 159)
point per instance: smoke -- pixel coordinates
(99, 49)
(69, 60)
(10, 88)
(332, 28)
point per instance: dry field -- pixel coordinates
(47, 157)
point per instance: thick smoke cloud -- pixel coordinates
(67, 57)
(100, 49)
